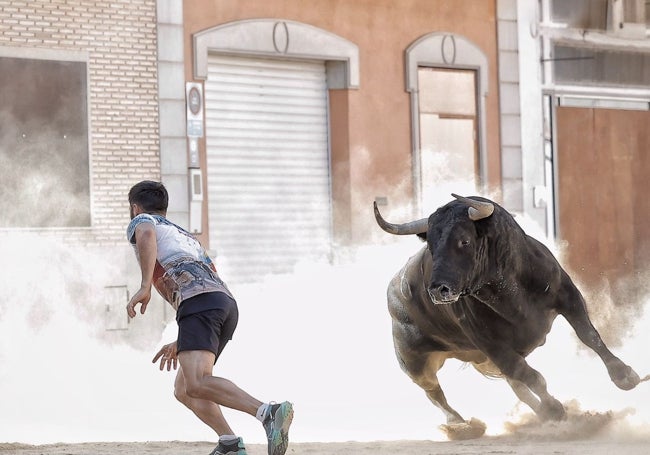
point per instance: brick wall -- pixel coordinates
(119, 38)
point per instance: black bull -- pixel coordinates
(482, 291)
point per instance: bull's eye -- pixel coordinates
(463, 243)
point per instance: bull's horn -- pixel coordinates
(477, 209)
(413, 227)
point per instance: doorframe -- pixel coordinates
(277, 38)
(452, 51)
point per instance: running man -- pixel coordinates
(174, 262)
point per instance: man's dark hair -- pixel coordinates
(151, 196)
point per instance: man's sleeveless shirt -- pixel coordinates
(183, 268)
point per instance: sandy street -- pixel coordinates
(476, 447)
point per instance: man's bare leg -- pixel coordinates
(196, 367)
(208, 411)
(201, 388)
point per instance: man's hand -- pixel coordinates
(142, 297)
(167, 355)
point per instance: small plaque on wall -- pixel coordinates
(194, 102)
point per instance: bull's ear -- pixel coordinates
(422, 236)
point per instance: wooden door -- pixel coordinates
(604, 197)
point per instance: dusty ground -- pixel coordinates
(583, 433)
(482, 446)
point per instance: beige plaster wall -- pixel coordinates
(371, 126)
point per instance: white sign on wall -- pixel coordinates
(194, 102)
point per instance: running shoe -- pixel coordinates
(234, 448)
(276, 423)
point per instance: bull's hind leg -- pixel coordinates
(525, 395)
(573, 308)
(489, 369)
(526, 381)
(423, 369)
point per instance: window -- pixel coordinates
(44, 156)
(587, 14)
(595, 14)
(585, 66)
(448, 148)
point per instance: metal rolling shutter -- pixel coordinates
(268, 170)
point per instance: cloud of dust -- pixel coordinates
(436, 191)
(319, 336)
(579, 425)
(64, 376)
(616, 309)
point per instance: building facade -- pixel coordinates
(315, 109)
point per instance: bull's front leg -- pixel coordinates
(422, 368)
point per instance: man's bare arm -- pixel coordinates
(145, 241)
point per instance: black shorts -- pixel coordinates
(208, 330)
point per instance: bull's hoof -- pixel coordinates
(552, 410)
(625, 377)
(464, 430)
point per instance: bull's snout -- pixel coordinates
(443, 294)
